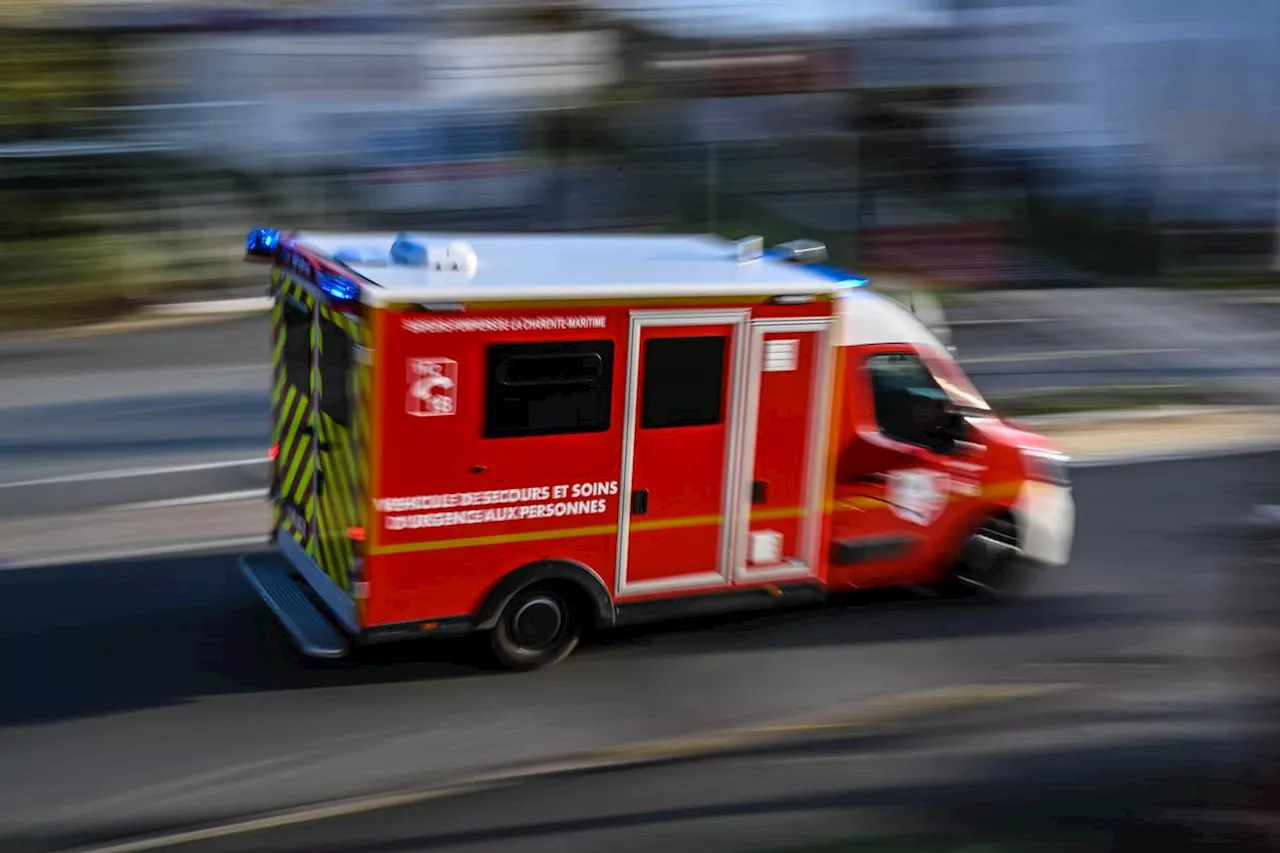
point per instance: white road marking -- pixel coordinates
(1064, 355)
(292, 818)
(129, 473)
(1185, 456)
(1001, 321)
(160, 789)
(246, 305)
(195, 500)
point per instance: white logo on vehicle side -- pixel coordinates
(433, 387)
(918, 495)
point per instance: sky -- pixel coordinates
(734, 17)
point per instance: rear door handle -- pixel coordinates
(639, 501)
(873, 478)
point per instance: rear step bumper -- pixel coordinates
(311, 630)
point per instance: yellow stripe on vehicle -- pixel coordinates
(499, 539)
(647, 525)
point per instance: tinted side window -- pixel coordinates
(898, 381)
(548, 388)
(683, 382)
(335, 370)
(297, 347)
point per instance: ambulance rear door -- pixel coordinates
(293, 409)
(340, 380)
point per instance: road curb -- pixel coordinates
(1149, 413)
(886, 715)
(241, 305)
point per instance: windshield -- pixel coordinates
(925, 374)
(951, 379)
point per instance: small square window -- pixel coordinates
(335, 373)
(683, 382)
(297, 347)
(549, 388)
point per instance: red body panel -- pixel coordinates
(453, 511)
(973, 486)
(784, 430)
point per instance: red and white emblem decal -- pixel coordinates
(433, 387)
(918, 494)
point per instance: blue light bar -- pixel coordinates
(837, 275)
(338, 288)
(406, 251)
(262, 242)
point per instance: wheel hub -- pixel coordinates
(537, 623)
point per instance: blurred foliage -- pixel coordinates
(86, 238)
(48, 78)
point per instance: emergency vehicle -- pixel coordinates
(534, 435)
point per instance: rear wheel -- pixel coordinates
(538, 627)
(991, 564)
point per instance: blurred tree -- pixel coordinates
(46, 78)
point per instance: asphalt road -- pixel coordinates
(151, 692)
(1100, 775)
(192, 395)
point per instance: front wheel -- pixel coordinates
(537, 628)
(991, 565)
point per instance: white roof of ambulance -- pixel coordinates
(559, 266)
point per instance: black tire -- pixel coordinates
(991, 566)
(538, 627)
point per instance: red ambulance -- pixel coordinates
(532, 435)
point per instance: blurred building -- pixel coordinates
(1173, 101)
(437, 104)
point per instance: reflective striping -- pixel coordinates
(499, 539)
(293, 463)
(776, 514)
(340, 501)
(295, 445)
(859, 503)
(995, 492)
(674, 523)
(570, 532)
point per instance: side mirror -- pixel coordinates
(939, 426)
(953, 430)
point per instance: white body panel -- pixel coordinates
(573, 266)
(1046, 516)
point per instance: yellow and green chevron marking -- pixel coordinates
(319, 486)
(291, 404)
(339, 500)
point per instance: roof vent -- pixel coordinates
(803, 252)
(455, 257)
(750, 249)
